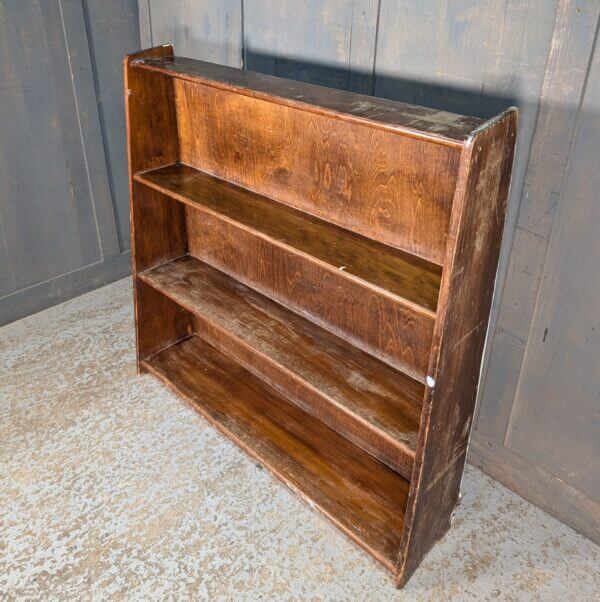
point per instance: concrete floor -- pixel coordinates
(111, 488)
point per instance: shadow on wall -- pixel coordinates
(447, 97)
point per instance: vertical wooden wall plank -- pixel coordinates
(145, 23)
(211, 31)
(84, 93)
(563, 353)
(41, 163)
(112, 33)
(58, 236)
(475, 58)
(565, 77)
(330, 43)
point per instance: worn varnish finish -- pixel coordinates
(466, 296)
(386, 311)
(394, 189)
(314, 273)
(372, 404)
(414, 121)
(416, 281)
(364, 498)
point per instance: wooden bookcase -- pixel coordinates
(313, 273)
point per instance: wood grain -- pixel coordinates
(157, 232)
(305, 365)
(151, 119)
(376, 407)
(160, 322)
(158, 228)
(368, 319)
(361, 496)
(414, 280)
(459, 335)
(391, 188)
(433, 125)
(295, 259)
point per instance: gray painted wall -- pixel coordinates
(64, 198)
(537, 422)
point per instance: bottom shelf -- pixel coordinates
(363, 497)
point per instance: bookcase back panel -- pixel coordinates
(392, 188)
(374, 322)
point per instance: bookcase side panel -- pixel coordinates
(459, 335)
(162, 322)
(157, 226)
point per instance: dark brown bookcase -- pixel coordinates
(313, 272)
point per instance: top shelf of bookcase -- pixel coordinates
(419, 122)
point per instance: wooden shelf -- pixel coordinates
(414, 281)
(369, 402)
(300, 260)
(313, 272)
(363, 497)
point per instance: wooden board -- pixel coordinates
(113, 31)
(360, 495)
(296, 260)
(562, 487)
(276, 194)
(459, 336)
(563, 353)
(329, 43)
(373, 405)
(394, 189)
(434, 125)
(415, 281)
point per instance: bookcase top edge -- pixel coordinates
(441, 127)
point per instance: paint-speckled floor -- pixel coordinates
(111, 488)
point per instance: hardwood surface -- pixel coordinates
(356, 395)
(160, 321)
(363, 497)
(385, 186)
(459, 336)
(150, 112)
(415, 280)
(376, 323)
(430, 124)
(295, 259)
(261, 203)
(157, 231)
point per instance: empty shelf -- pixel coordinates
(359, 396)
(360, 495)
(390, 270)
